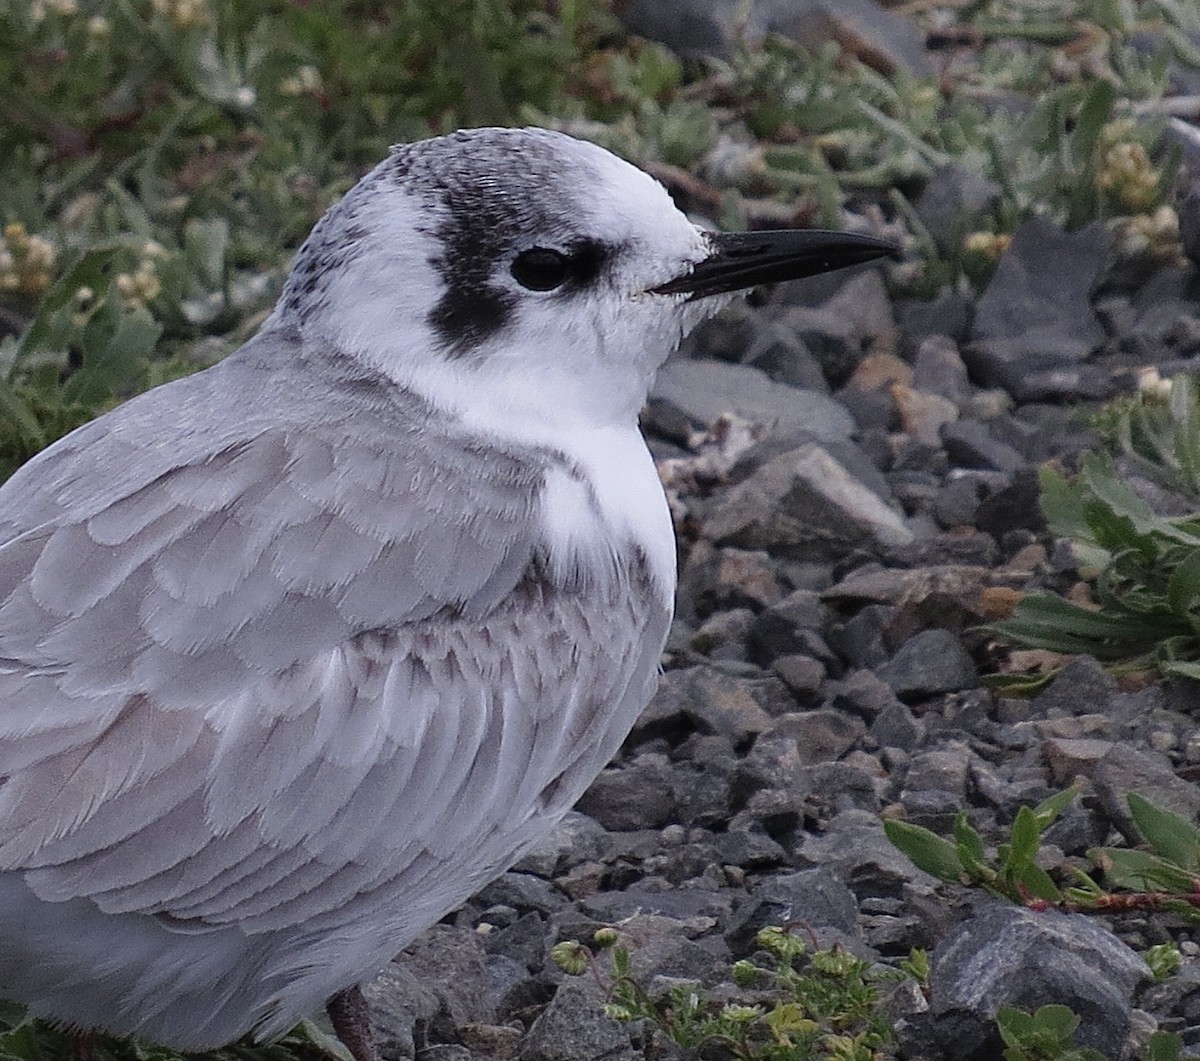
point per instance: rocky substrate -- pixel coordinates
(854, 482)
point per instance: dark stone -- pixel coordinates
(696, 393)
(574, 1027)
(897, 727)
(1034, 327)
(805, 504)
(938, 369)
(802, 675)
(706, 700)
(821, 735)
(637, 794)
(1081, 688)
(813, 897)
(931, 662)
(946, 316)
(1013, 507)
(525, 940)
(839, 332)
(1010, 956)
(783, 356)
(865, 694)
(969, 444)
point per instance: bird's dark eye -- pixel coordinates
(541, 269)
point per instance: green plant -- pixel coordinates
(797, 1004)
(1046, 1035)
(1012, 873)
(1157, 433)
(1049, 1035)
(1164, 875)
(1145, 573)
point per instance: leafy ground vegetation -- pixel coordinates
(161, 159)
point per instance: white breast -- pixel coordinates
(615, 502)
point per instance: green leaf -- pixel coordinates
(1095, 112)
(1037, 882)
(1183, 588)
(1052, 806)
(1023, 839)
(1182, 669)
(1164, 1046)
(206, 244)
(1171, 837)
(1056, 1020)
(928, 851)
(1142, 871)
(1062, 505)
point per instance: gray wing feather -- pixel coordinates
(262, 658)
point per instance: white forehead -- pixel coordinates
(623, 199)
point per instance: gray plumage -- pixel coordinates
(297, 653)
(267, 665)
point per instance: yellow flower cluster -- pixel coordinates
(1125, 173)
(986, 247)
(27, 263)
(306, 81)
(40, 9)
(182, 14)
(1153, 235)
(143, 285)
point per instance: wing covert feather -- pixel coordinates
(270, 658)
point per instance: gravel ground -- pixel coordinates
(854, 482)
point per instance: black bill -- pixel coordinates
(745, 259)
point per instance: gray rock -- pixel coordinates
(1123, 770)
(1010, 956)
(521, 891)
(855, 846)
(710, 701)
(846, 785)
(804, 504)
(945, 768)
(700, 391)
(749, 849)
(947, 316)
(1034, 326)
(576, 838)
(863, 693)
(677, 904)
(723, 634)
(439, 982)
(1081, 687)
(812, 897)
(525, 940)
(637, 794)
(784, 356)
(574, 1027)
(897, 727)
(928, 663)
(661, 946)
(956, 200)
(802, 675)
(969, 444)
(780, 629)
(821, 735)
(839, 332)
